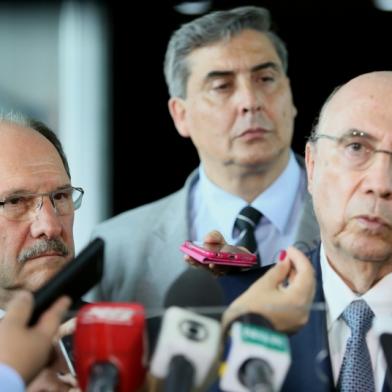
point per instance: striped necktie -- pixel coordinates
(246, 222)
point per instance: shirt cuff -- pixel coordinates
(10, 380)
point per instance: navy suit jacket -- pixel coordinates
(310, 368)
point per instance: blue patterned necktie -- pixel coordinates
(247, 220)
(356, 373)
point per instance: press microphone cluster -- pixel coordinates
(110, 344)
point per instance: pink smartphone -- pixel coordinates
(218, 254)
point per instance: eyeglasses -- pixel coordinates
(24, 206)
(357, 149)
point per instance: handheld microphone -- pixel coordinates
(257, 358)
(188, 343)
(194, 288)
(109, 344)
(187, 347)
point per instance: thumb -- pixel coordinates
(214, 237)
(277, 274)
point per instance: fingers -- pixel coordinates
(68, 379)
(66, 328)
(20, 307)
(304, 272)
(50, 321)
(214, 237)
(276, 275)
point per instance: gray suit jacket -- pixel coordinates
(142, 256)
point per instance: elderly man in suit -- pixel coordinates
(349, 167)
(230, 94)
(37, 209)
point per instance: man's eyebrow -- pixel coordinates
(358, 132)
(15, 191)
(258, 67)
(269, 64)
(23, 191)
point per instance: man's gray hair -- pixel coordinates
(209, 29)
(20, 119)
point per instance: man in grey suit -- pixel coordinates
(229, 93)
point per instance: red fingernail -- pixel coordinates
(282, 255)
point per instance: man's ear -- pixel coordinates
(177, 109)
(309, 161)
(293, 107)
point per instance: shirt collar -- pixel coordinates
(338, 295)
(275, 203)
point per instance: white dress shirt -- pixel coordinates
(281, 204)
(337, 297)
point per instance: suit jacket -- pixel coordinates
(310, 368)
(142, 256)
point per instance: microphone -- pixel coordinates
(188, 342)
(110, 347)
(193, 288)
(187, 347)
(257, 357)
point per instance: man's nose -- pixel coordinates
(250, 99)
(379, 176)
(46, 222)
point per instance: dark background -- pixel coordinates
(329, 42)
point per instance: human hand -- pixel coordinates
(283, 295)
(27, 349)
(215, 241)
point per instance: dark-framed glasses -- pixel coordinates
(25, 206)
(356, 149)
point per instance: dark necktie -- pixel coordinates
(356, 373)
(246, 222)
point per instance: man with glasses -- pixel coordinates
(37, 204)
(349, 169)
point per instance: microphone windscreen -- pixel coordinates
(195, 287)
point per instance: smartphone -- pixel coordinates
(66, 348)
(218, 254)
(74, 280)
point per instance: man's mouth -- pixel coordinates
(372, 222)
(256, 132)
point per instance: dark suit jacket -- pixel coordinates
(310, 368)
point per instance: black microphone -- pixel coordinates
(195, 287)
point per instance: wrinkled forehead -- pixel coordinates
(364, 103)
(27, 158)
